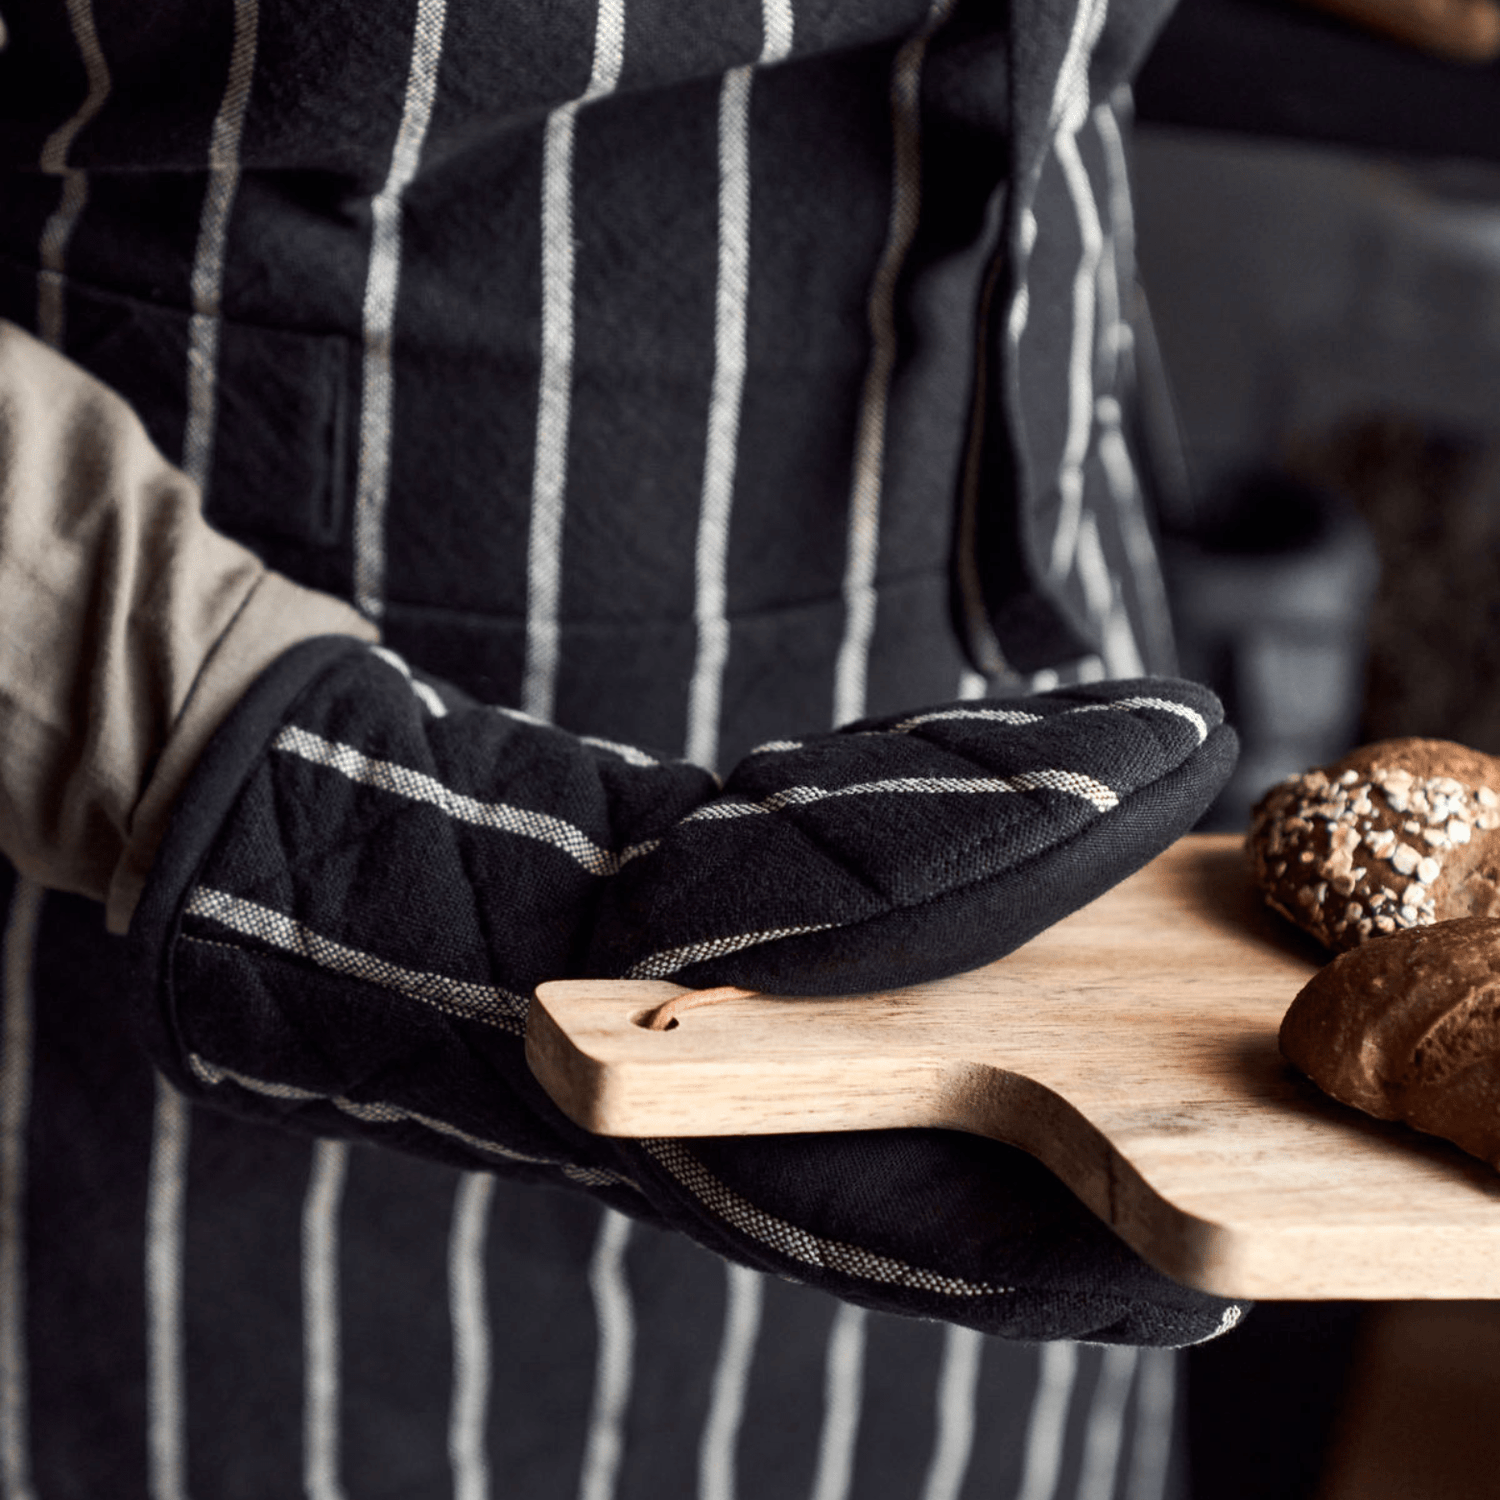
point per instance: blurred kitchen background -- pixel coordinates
(1325, 289)
(1318, 201)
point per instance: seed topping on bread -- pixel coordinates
(1394, 836)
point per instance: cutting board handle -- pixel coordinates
(642, 1058)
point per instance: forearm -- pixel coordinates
(128, 628)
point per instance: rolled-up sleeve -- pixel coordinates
(128, 629)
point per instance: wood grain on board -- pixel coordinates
(1132, 1047)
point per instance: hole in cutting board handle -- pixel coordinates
(664, 1017)
(646, 1020)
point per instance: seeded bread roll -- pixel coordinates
(1398, 834)
(1407, 1027)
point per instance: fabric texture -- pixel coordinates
(373, 872)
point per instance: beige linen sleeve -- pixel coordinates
(128, 629)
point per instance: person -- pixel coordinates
(578, 398)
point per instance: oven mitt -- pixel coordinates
(369, 872)
(899, 850)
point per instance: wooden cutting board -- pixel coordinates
(1132, 1048)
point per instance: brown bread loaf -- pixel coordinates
(1407, 1027)
(1396, 835)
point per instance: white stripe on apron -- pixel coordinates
(730, 299)
(1105, 1433)
(320, 1320)
(1070, 98)
(958, 1384)
(75, 188)
(605, 1446)
(382, 280)
(1080, 427)
(1106, 604)
(1155, 1409)
(843, 1396)
(470, 1313)
(208, 260)
(166, 1446)
(1070, 108)
(1047, 1430)
(744, 1292)
(19, 953)
(555, 396)
(863, 544)
(1103, 594)
(1117, 339)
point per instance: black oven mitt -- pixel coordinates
(370, 872)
